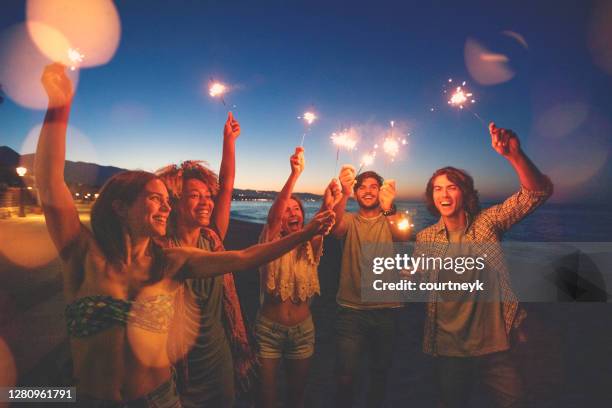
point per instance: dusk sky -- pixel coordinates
(542, 71)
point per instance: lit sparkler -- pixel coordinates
(75, 58)
(461, 96)
(344, 140)
(367, 159)
(391, 147)
(405, 222)
(309, 118)
(391, 144)
(217, 89)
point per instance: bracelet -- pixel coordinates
(390, 211)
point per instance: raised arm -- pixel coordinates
(186, 263)
(227, 174)
(60, 212)
(536, 187)
(347, 180)
(278, 208)
(506, 143)
(331, 197)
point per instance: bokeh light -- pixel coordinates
(26, 242)
(91, 28)
(571, 150)
(484, 66)
(78, 145)
(22, 67)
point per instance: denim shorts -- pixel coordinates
(275, 340)
(164, 396)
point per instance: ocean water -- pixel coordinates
(551, 222)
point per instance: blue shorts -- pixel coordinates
(275, 340)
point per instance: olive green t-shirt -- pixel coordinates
(364, 235)
(469, 323)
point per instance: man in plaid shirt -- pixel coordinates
(469, 333)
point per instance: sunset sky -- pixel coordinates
(542, 71)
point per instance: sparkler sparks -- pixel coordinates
(391, 147)
(344, 140)
(391, 144)
(368, 159)
(217, 89)
(405, 222)
(309, 117)
(461, 96)
(75, 58)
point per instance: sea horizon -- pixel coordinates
(561, 222)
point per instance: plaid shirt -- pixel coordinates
(485, 231)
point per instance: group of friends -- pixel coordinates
(154, 318)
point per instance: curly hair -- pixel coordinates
(465, 182)
(175, 177)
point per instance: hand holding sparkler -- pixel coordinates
(297, 161)
(57, 85)
(332, 195)
(386, 195)
(231, 130)
(504, 141)
(347, 179)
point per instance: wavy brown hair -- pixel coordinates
(106, 224)
(465, 182)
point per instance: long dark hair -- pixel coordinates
(105, 222)
(465, 182)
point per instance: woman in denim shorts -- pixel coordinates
(284, 327)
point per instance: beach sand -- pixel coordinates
(567, 361)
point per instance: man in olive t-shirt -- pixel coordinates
(364, 328)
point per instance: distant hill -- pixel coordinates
(94, 175)
(89, 174)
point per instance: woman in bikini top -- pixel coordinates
(118, 283)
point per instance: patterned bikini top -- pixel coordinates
(91, 314)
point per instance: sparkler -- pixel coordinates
(217, 89)
(309, 118)
(345, 140)
(367, 159)
(391, 144)
(75, 58)
(463, 98)
(405, 221)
